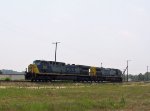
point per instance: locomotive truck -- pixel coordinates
(42, 70)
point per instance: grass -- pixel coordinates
(74, 97)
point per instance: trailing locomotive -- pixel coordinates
(50, 70)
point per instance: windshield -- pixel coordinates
(37, 62)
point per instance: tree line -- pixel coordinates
(0, 72)
(139, 77)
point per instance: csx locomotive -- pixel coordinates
(42, 70)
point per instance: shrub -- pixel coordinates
(7, 79)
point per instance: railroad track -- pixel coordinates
(27, 81)
(14, 81)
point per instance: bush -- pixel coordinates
(7, 79)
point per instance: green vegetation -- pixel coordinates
(139, 77)
(0, 72)
(74, 97)
(7, 79)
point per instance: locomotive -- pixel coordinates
(42, 70)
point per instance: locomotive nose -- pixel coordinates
(32, 68)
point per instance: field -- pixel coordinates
(74, 96)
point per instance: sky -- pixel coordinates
(91, 32)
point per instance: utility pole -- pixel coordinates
(123, 73)
(55, 49)
(101, 64)
(128, 69)
(147, 73)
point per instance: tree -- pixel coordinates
(147, 76)
(0, 72)
(141, 77)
